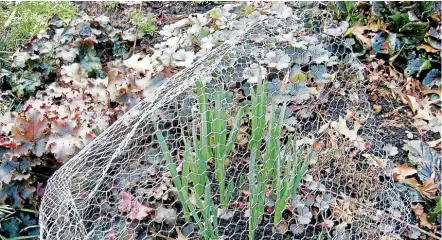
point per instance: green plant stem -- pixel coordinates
(256, 178)
(288, 183)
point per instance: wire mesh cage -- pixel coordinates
(267, 136)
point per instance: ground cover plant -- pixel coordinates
(18, 22)
(66, 104)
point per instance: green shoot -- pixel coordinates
(181, 183)
(146, 22)
(203, 104)
(223, 146)
(213, 127)
(287, 183)
(271, 165)
(212, 143)
(188, 208)
(256, 177)
(194, 166)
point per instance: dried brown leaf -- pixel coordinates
(429, 188)
(402, 171)
(428, 48)
(418, 209)
(358, 31)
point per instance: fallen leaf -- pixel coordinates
(391, 237)
(167, 215)
(429, 188)
(402, 171)
(323, 128)
(424, 109)
(136, 210)
(413, 103)
(358, 31)
(139, 65)
(317, 146)
(427, 48)
(377, 108)
(352, 134)
(180, 234)
(376, 161)
(418, 210)
(435, 143)
(344, 130)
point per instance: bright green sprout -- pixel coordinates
(256, 177)
(283, 172)
(146, 24)
(286, 184)
(194, 167)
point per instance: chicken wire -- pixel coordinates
(119, 186)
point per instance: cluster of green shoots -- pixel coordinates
(213, 132)
(282, 172)
(146, 23)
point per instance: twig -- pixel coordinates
(285, 81)
(415, 227)
(136, 29)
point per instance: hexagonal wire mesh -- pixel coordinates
(123, 185)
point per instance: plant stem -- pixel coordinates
(136, 29)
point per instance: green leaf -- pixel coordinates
(214, 14)
(433, 76)
(350, 6)
(432, 216)
(26, 83)
(438, 207)
(170, 163)
(91, 63)
(427, 8)
(425, 66)
(398, 20)
(414, 32)
(413, 66)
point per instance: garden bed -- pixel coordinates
(356, 184)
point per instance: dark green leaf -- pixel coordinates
(434, 43)
(55, 21)
(379, 8)
(91, 63)
(414, 32)
(432, 77)
(413, 66)
(398, 20)
(377, 41)
(432, 216)
(25, 83)
(11, 227)
(427, 8)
